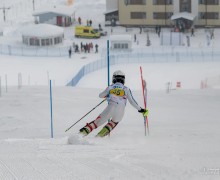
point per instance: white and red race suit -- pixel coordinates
(117, 95)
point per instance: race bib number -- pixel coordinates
(117, 92)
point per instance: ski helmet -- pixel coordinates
(118, 76)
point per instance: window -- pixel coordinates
(135, 2)
(25, 40)
(56, 40)
(162, 15)
(209, 15)
(185, 6)
(47, 42)
(138, 15)
(85, 30)
(43, 42)
(209, 2)
(34, 42)
(121, 46)
(162, 2)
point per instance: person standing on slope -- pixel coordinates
(117, 95)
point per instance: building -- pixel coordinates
(186, 13)
(42, 35)
(121, 42)
(111, 14)
(60, 16)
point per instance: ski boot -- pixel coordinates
(88, 128)
(107, 129)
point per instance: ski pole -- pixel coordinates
(84, 115)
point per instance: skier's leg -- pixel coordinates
(116, 118)
(107, 128)
(101, 119)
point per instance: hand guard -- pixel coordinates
(143, 111)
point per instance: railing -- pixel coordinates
(34, 51)
(149, 55)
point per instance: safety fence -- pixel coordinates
(33, 51)
(149, 55)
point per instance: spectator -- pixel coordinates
(76, 48)
(96, 48)
(81, 46)
(90, 22)
(100, 27)
(91, 46)
(79, 20)
(70, 52)
(192, 32)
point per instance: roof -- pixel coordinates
(184, 15)
(42, 30)
(111, 11)
(61, 10)
(120, 37)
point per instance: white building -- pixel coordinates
(42, 35)
(60, 16)
(121, 42)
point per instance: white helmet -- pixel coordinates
(118, 76)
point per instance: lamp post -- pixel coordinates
(33, 5)
(4, 8)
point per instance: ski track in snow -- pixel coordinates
(178, 147)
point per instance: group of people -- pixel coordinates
(86, 48)
(88, 22)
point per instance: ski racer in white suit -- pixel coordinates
(117, 95)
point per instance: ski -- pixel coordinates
(144, 92)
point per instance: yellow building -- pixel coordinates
(167, 12)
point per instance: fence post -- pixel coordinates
(6, 83)
(0, 86)
(19, 80)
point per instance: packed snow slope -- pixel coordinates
(183, 141)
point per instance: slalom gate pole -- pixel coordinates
(144, 91)
(108, 62)
(108, 66)
(51, 111)
(84, 116)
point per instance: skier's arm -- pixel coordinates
(104, 94)
(132, 100)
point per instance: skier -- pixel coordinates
(117, 95)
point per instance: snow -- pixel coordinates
(63, 10)
(184, 124)
(185, 15)
(42, 30)
(120, 37)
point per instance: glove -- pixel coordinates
(144, 112)
(141, 110)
